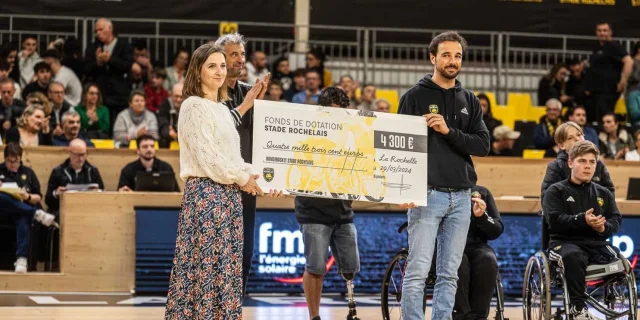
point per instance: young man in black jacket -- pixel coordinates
(479, 268)
(582, 215)
(75, 170)
(326, 223)
(456, 132)
(147, 162)
(566, 136)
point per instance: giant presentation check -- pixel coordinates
(340, 153)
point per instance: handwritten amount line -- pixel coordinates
(308, 165)
(326, 154)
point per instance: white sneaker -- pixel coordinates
(584, 314)
(46, 219)
(21, 265)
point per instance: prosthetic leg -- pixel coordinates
(352, 302)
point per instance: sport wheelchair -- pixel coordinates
(611, 288)
(391, 294)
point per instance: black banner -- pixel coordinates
(537, 16)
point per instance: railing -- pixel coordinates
(391, 58)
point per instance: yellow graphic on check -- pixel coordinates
(342, 166)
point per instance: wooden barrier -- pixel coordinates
(97, 249)
(503, 176)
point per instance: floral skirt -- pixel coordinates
(206, 279)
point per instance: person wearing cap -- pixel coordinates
(505, 138)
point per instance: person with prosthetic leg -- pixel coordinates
(328, 223)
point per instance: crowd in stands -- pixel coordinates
(584, 92)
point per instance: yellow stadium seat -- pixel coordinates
(174, 145)
(534, 113)
(391, 96)
(133, 144)
(621, 106)
(103, 143)
(522, 101)
(506, 114)
(533, 154)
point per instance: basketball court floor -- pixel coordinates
(63, 306)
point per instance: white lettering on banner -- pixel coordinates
(618, 241)
(271, 259)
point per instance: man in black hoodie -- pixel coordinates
(456, 131)
(582, 215)
(566, 136)
(326, 223)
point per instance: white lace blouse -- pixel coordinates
(209, 143)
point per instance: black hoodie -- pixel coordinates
(64, 174)
(449, 160)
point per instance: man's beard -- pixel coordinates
(443, 72)
(147, 157)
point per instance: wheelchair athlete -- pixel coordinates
(581, 216)
(479, 268)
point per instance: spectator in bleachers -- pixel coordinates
(25, 209)
(615, 141)
(176, 72)
(30, 129)
(154, 91)
(75, 170)
(632, 97)
(72, 57)
(609, 68)
(168, 116)
(135, 121)
(10, 107)
(349, 86)
(40, 99)
(274, 93)
(311, 91)
(27, 59)
(137, 77)
(382, 105)
(243, 76)
(315, 60)
(297, 86)
(147, 162)
(142, 57)
(9, 53)
(94, 117)
(257, 67)
(553, 85)
(543, 136)
(282, 73)
(64, 75)
(59, 106)
(43, 75)
(108, 62)
(487, 116)
(367, 98)
(504, 140)
(5, 73)
(579, 115)
(575, 86)
(633, 155)
(70, 130)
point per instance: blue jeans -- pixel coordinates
(633, 106)
(447, 217)
(23, 214)
(343, 240)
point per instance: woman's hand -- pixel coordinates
(252, 187)
(273, 193)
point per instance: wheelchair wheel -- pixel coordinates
(499, 299)
(621, 295)
(391, 295)
(536, 291)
